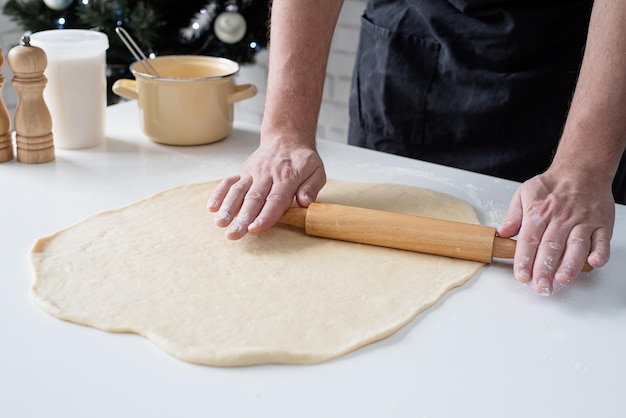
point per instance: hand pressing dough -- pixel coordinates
(161, 269)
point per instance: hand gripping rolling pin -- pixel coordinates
(406, 232)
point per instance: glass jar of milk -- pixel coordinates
(76, 88)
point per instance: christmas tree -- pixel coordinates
(234, 29)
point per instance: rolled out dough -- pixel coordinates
(161, 269)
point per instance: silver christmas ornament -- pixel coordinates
(58, 4)
(230, 26)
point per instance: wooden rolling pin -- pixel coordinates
(405, 232)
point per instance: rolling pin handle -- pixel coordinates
(503, 247)
(294, 216)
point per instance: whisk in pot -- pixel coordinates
(136, 51)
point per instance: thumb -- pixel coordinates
(512, 221)
(308, 190)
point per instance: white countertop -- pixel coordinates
(492, 348)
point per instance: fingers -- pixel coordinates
(265, 213)
(576, 251)
(256, 199)
(250, 198)
(531, 231)
(555, 252)
(560, 256)
(600, 248)
(228, 198)
(261, 203)
(239, 202)
(220, 192)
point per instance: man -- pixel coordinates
(476, 65)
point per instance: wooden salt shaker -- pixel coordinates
(33, 124)
(6, 144)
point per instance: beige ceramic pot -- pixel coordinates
(189, 102)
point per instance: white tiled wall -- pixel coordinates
(333, 120)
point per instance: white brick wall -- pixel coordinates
(333, 120)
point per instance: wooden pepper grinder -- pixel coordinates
(6, 144)
(33, 124)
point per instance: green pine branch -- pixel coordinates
(30, 15)
(145, 20)
(141, 20)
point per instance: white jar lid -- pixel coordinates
(62, 43)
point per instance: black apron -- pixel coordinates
(482, 85)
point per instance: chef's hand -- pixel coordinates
(255, 199)
(561, 219)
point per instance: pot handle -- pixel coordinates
(126, 88)
(242, 92)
